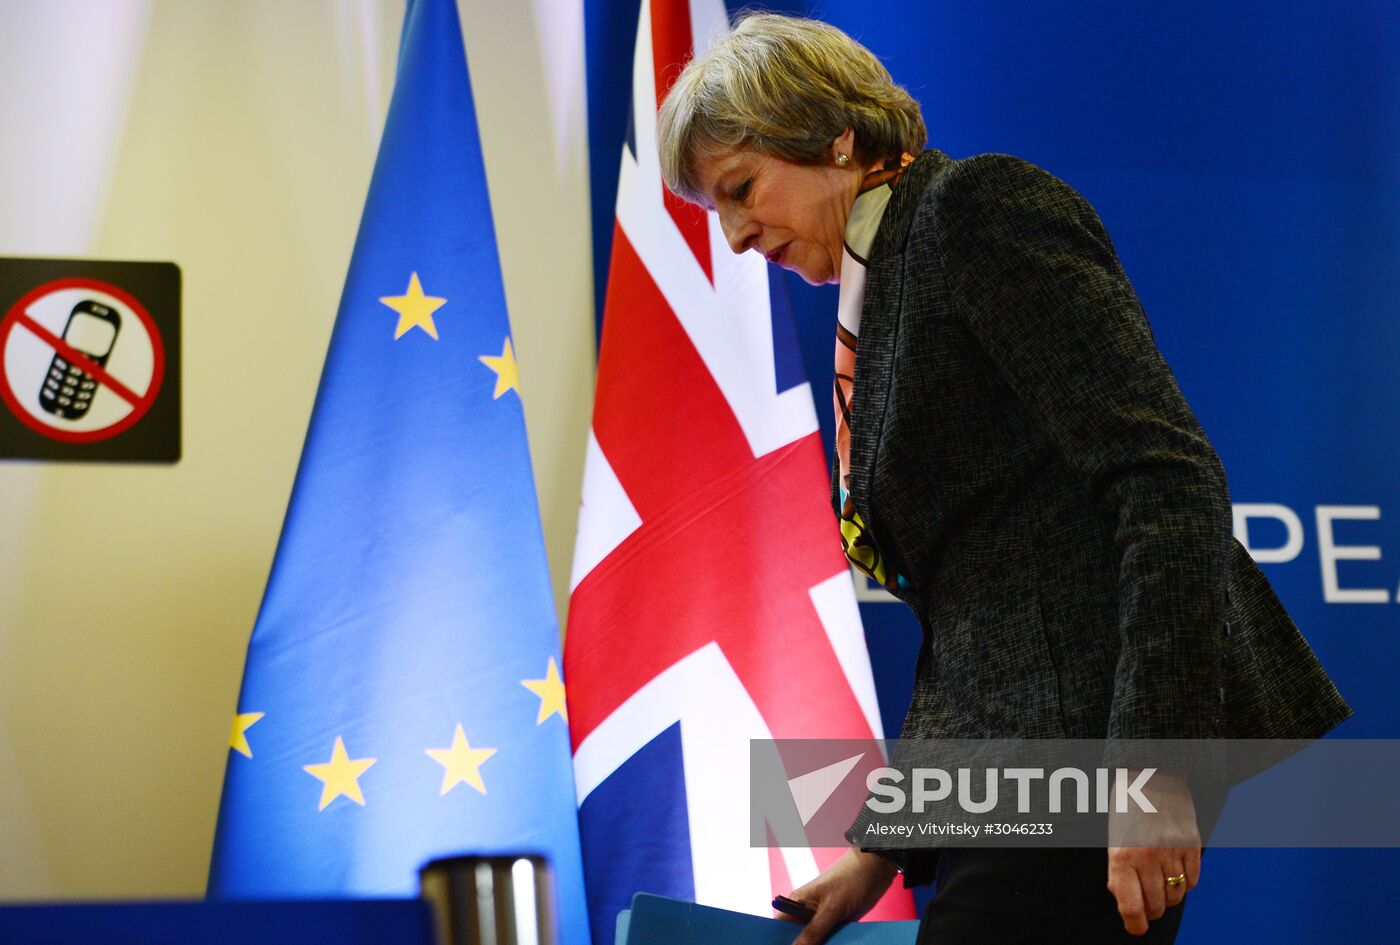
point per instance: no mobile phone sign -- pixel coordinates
(89, 360)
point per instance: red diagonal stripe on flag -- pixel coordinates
(671, 43)
(711, 579)
(659, 415)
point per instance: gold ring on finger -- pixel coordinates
(1178, 880)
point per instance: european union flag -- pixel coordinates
(402, 698)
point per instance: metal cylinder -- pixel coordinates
(491, 900)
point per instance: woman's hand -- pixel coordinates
(1137, 875)
(847, 890)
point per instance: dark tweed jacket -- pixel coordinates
(1023, 455)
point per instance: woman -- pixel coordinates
(1014, 461)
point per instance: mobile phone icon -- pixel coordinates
(92, 329)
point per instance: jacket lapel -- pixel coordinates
(879, 324)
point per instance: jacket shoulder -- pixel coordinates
(943, 193)
(981, 189)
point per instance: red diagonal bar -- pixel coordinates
(659, 416)
(671, 43)
(74, 356)
(730, 563)
(671, 46)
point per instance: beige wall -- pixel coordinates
(127, 593)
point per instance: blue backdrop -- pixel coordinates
(1245, 159)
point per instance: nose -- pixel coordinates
(740, 233)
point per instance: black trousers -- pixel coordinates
(1010, 896)
(1032, 896)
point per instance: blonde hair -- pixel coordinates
(783, 86)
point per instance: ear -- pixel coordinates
(844, 143)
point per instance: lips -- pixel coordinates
(776, 255)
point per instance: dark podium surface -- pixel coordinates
(346, 922)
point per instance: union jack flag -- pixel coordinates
(711, 603)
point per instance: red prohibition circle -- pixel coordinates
(11, 319)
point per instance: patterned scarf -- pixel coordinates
(869, 208)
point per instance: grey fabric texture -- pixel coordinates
(1025, 458)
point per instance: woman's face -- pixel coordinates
(793, 214)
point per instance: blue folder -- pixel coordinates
(656, 920)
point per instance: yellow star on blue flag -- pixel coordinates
(415, 309)
(550, 689)
(340, 776)
(238, 737)
(461, 762)
(507, 373)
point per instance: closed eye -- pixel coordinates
(738, 194)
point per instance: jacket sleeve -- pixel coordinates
(1033, 276)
